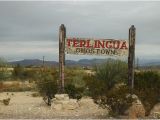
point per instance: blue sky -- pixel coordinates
(29, 30)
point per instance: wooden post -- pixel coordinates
(131, 56)
(62, 35)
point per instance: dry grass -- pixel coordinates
(15, 86)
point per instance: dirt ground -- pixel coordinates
(24, 106)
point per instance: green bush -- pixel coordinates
(106, 76)
(111, 72)
(108, 86)
(74, 77)
(74, 82)
(73, 92)
(147, 86)
(47, 85)
(118, 100)
(96, 87)
(18, 72)
(4, 73)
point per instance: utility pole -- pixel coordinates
(131, 57)
(62, 36)
(137, 63)
(43, 64)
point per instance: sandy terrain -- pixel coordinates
(23, 105)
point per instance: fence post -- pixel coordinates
(62, 35)
(131, 57)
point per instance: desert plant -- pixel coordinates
(107, 86)
(47, 85)
(106, 76)
(18, 71)
(73, 92)
(118, 100)
(74, 82)
(111, 72)
(74, 76)
(147, 86)
(4, 73)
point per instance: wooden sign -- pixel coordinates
(109, 47)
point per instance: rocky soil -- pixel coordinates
(24, 106)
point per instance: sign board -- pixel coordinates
(108, 47)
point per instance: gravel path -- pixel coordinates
(24, 106)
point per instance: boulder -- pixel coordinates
(62, 101)
(155, 112)
(87, 103)
(70, 105)
(136, 110)
(62, 96)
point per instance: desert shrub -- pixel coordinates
(4, 73)
(73, 92)
(74, 82)
(107, 86)
(74, 76)
(30, 74)
(18, 72)
(96, 87)
(106, 76)
(47, 84)
(111, 72)
(147, 86)
(118, 100)
(1, 86)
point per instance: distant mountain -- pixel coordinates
(81, 62)
(37, 62)
(149, 62)
(88, 62)
(33, 62)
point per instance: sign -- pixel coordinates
(109, 47)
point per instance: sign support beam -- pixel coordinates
(131, 57)
(62, 35)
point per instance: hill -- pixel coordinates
(37, 62)
(81, 62)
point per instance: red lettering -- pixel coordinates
(69, 42)
(124, 46)
(116, 44)
(82, 43)
(88, 44)
(100, 44)
(75, 43)
(109, 44)
(95, 44)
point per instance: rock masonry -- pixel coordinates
(62, 102)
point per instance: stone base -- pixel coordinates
(62, 102)
(155, 112)
(136, 110)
